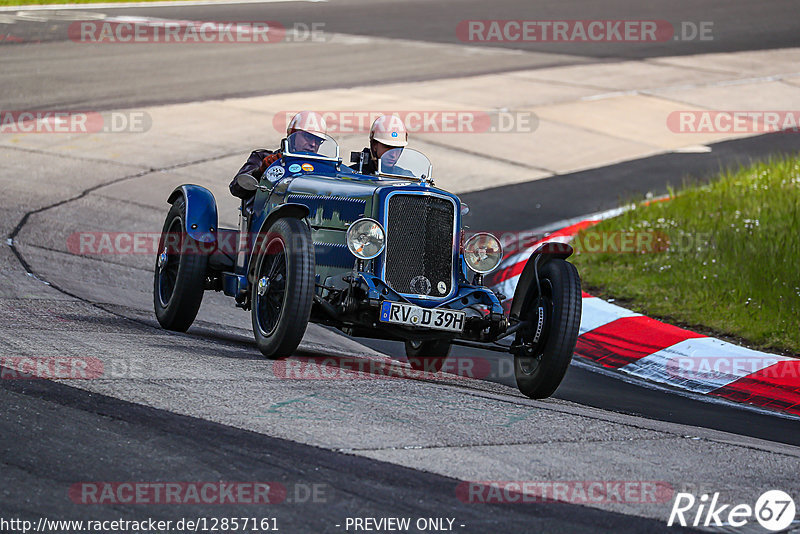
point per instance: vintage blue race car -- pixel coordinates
(373, 255)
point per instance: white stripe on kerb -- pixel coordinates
(597, 312)
(701, 364)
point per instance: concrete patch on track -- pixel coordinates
(585, 118)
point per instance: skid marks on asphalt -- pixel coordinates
(35, 26)
(336, 407)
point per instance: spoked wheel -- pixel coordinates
(180, 273)
(283, 287)
(427, 356)
(544, 349)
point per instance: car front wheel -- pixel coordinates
(283, 287)
(540, 362)
(180, 273)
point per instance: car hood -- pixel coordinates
(342, 186)
(335, 202)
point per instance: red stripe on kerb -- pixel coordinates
(776, 387)
(514, 270)
(574, 228)
(508, 272)
(628, 339)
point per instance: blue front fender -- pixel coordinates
(201, 212)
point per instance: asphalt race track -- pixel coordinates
(204, 407)
(91, 76)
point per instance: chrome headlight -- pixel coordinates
(483, 253)
(366, 239)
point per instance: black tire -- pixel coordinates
(539, 373)
(281, 305)
(428, 356)
(180, 273)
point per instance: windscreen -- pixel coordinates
(307, 144)
(404, 163)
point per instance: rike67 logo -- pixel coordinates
(774, 510)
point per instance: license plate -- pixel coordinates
(410, 315)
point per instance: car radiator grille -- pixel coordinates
(419, 245)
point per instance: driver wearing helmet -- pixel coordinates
(387, 132)
(310, 126)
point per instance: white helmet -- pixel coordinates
(389, 130)
(307, 121)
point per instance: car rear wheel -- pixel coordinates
(540, 363)
(428, 356)
(283, 287)
(180, 273)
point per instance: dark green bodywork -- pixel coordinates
(334, 203)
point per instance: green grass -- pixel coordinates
(733, 260)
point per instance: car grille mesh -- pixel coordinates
(419, 243)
